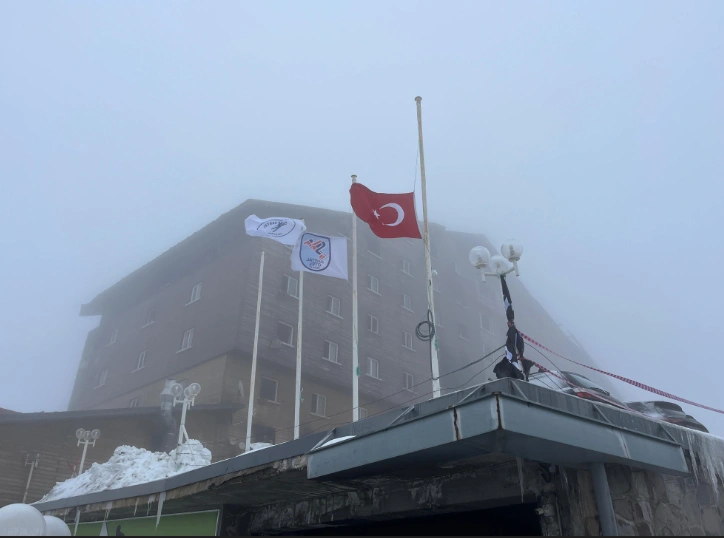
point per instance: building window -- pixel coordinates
(373, 324)
(458, 269)
(134, 403)
(486, 324)
(409, 381)
(195, 293)
(114, 337)
(373, 284)
(462, 332)
(187, 340)
(363, 413)
(263, 434)
(319, 405)
(268, 389)
(150, 317)
(333, 305)
(285, 334)
(373, 368)
(406, 302)
(373, 247)
(406, 267)
(331, 351)
(291, 285)
(102, 378)
(408, 340)
(141, 361)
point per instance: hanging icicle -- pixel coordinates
(161, 498)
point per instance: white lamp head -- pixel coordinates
(498, 264)
(21, 520)
(55, 527)
(479, 257)
(80, 433)
(177, 390)
(95, 434)
(187, 393)
(512, 250)
(194, 389)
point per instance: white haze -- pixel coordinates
(592, 132)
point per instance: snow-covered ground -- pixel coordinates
(130, 466)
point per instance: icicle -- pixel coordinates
(710, 451)
(135, 507)
(77, 520)
(692, 454)
(109, 506)
(104, 530)
(150, 502)
(161, 498)
(565, 477)
(520, 476)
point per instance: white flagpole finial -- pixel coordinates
(354, 178)
(418, 99)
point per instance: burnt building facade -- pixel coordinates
(189, 315)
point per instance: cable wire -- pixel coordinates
(393, 394)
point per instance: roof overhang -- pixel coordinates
(487, 421)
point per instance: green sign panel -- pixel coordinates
(194, 524)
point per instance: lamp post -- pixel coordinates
(189, 399)
(33, 465)
(500, 266)
(86, 438)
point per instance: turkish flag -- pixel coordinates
(389, 215)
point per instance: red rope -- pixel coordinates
(624, 379)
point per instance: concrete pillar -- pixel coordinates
(603, 500)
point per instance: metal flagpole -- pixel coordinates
(428, 264)
(250, 414)
(355, 321)
(298, 391)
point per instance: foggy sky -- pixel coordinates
(592, 132)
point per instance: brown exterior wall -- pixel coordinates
(226, 261)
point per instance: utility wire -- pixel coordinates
(395, 393)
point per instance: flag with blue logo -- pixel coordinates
(321, 254)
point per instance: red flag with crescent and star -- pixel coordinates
(388, 215)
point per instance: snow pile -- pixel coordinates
(130, 466)
(259, 446)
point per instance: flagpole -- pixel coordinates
(250, 413)
(355, 321)
(428, 264)
(298, 385)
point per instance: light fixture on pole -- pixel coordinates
(501, 266)
(189, 399)
(86, 437)
(497, 265)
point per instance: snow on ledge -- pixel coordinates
(337, 440)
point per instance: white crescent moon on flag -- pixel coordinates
(400, 213)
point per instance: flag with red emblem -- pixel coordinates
(388, 215)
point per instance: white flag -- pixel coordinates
(286, 231)
(321, 254)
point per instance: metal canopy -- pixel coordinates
(492, 421)
(505, 417)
